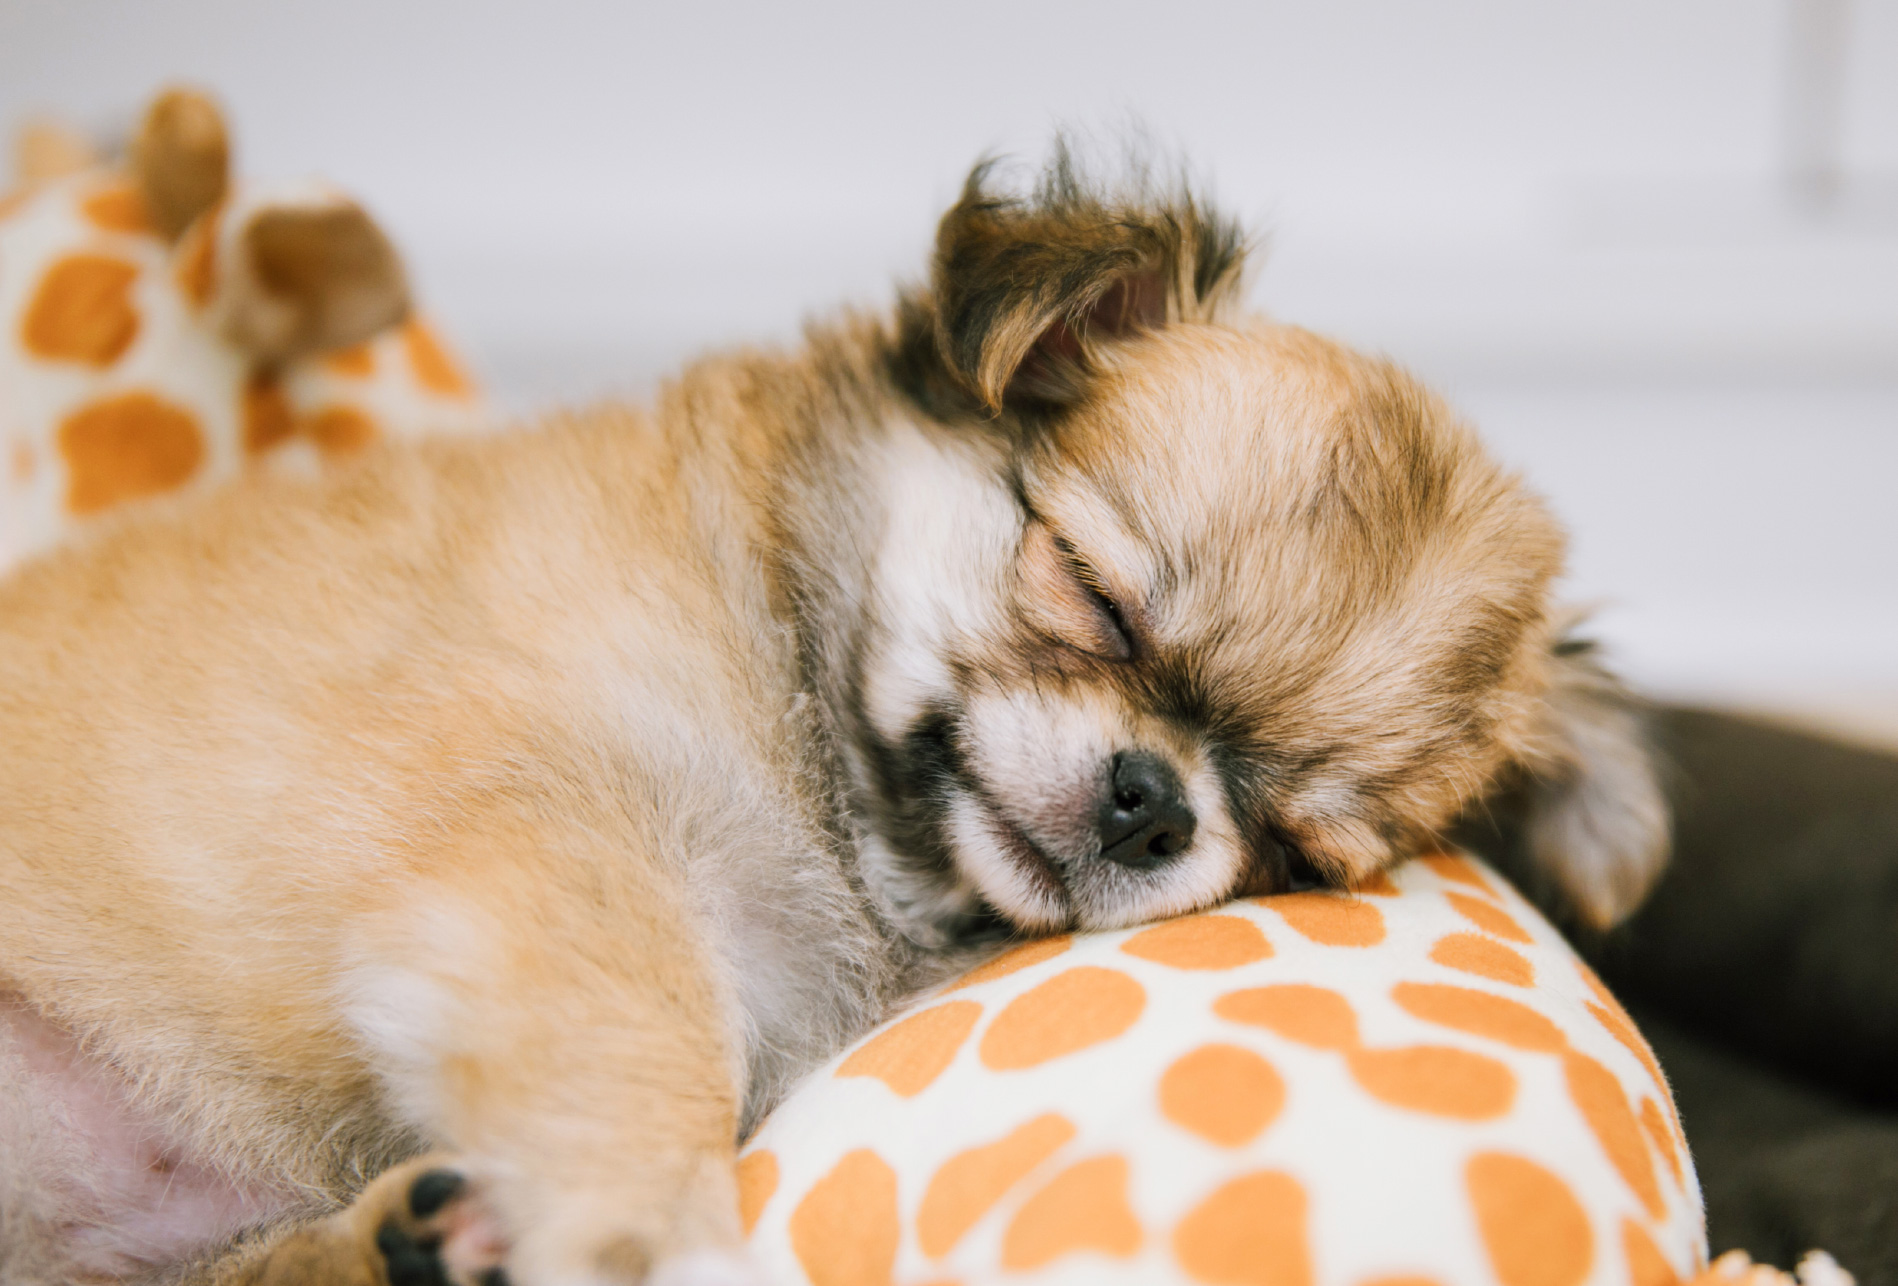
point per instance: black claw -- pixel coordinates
(434, 1190)
(410, 1262)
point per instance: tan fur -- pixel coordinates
(404, 775)
(520, 797)
(1399, 696)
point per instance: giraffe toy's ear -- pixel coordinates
(284, 270)
(322, 276)
(181, 159)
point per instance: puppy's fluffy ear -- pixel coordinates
(1025, 288)
(1590, 816)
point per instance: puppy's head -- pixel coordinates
(1173, 603)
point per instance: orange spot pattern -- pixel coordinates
(1297, 1011)
(269, 421)
(757, 1182)
(24, 462)
(1082, 1208)
(1600, 988)
(1015, 959)
(1201, 942)
(1433, 1079)
(124, 447)
(117, 207)
(340, 430)
(433, 367)
(1484, 957)
(1535, 1231)
(267, 417)
(1222, 1093)
(1605, 1108)
(845, 1231)
(1457, 870)
(1488, 916)
(1377, 884)
(913, 1053)
(358, 361)
(82, 311)
(1072, 1011)
(1593, 1088)
(1647, 1266)
(1330, 919)
(1250, 1232)
(196, 259)
(1616, 1022)
(970, 1183)
(1654, 1121)
(1481, 1014)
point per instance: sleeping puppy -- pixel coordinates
(554, 800)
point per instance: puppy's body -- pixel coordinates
(466, 710)
(557, 798)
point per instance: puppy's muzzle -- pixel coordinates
(1144, 820)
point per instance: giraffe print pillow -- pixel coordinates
(1420, 1084)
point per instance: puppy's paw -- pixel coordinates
(431, 1227)
(707, 1268)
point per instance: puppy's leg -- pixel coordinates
(537, 997)
(421, 1223)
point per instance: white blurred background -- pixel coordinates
(1650, 246)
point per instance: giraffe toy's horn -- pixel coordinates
(181, 159)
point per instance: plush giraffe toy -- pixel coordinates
(165, 329)
(1416, 1085)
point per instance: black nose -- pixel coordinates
(1144, 820)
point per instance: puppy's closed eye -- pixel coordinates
(1065, 598)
